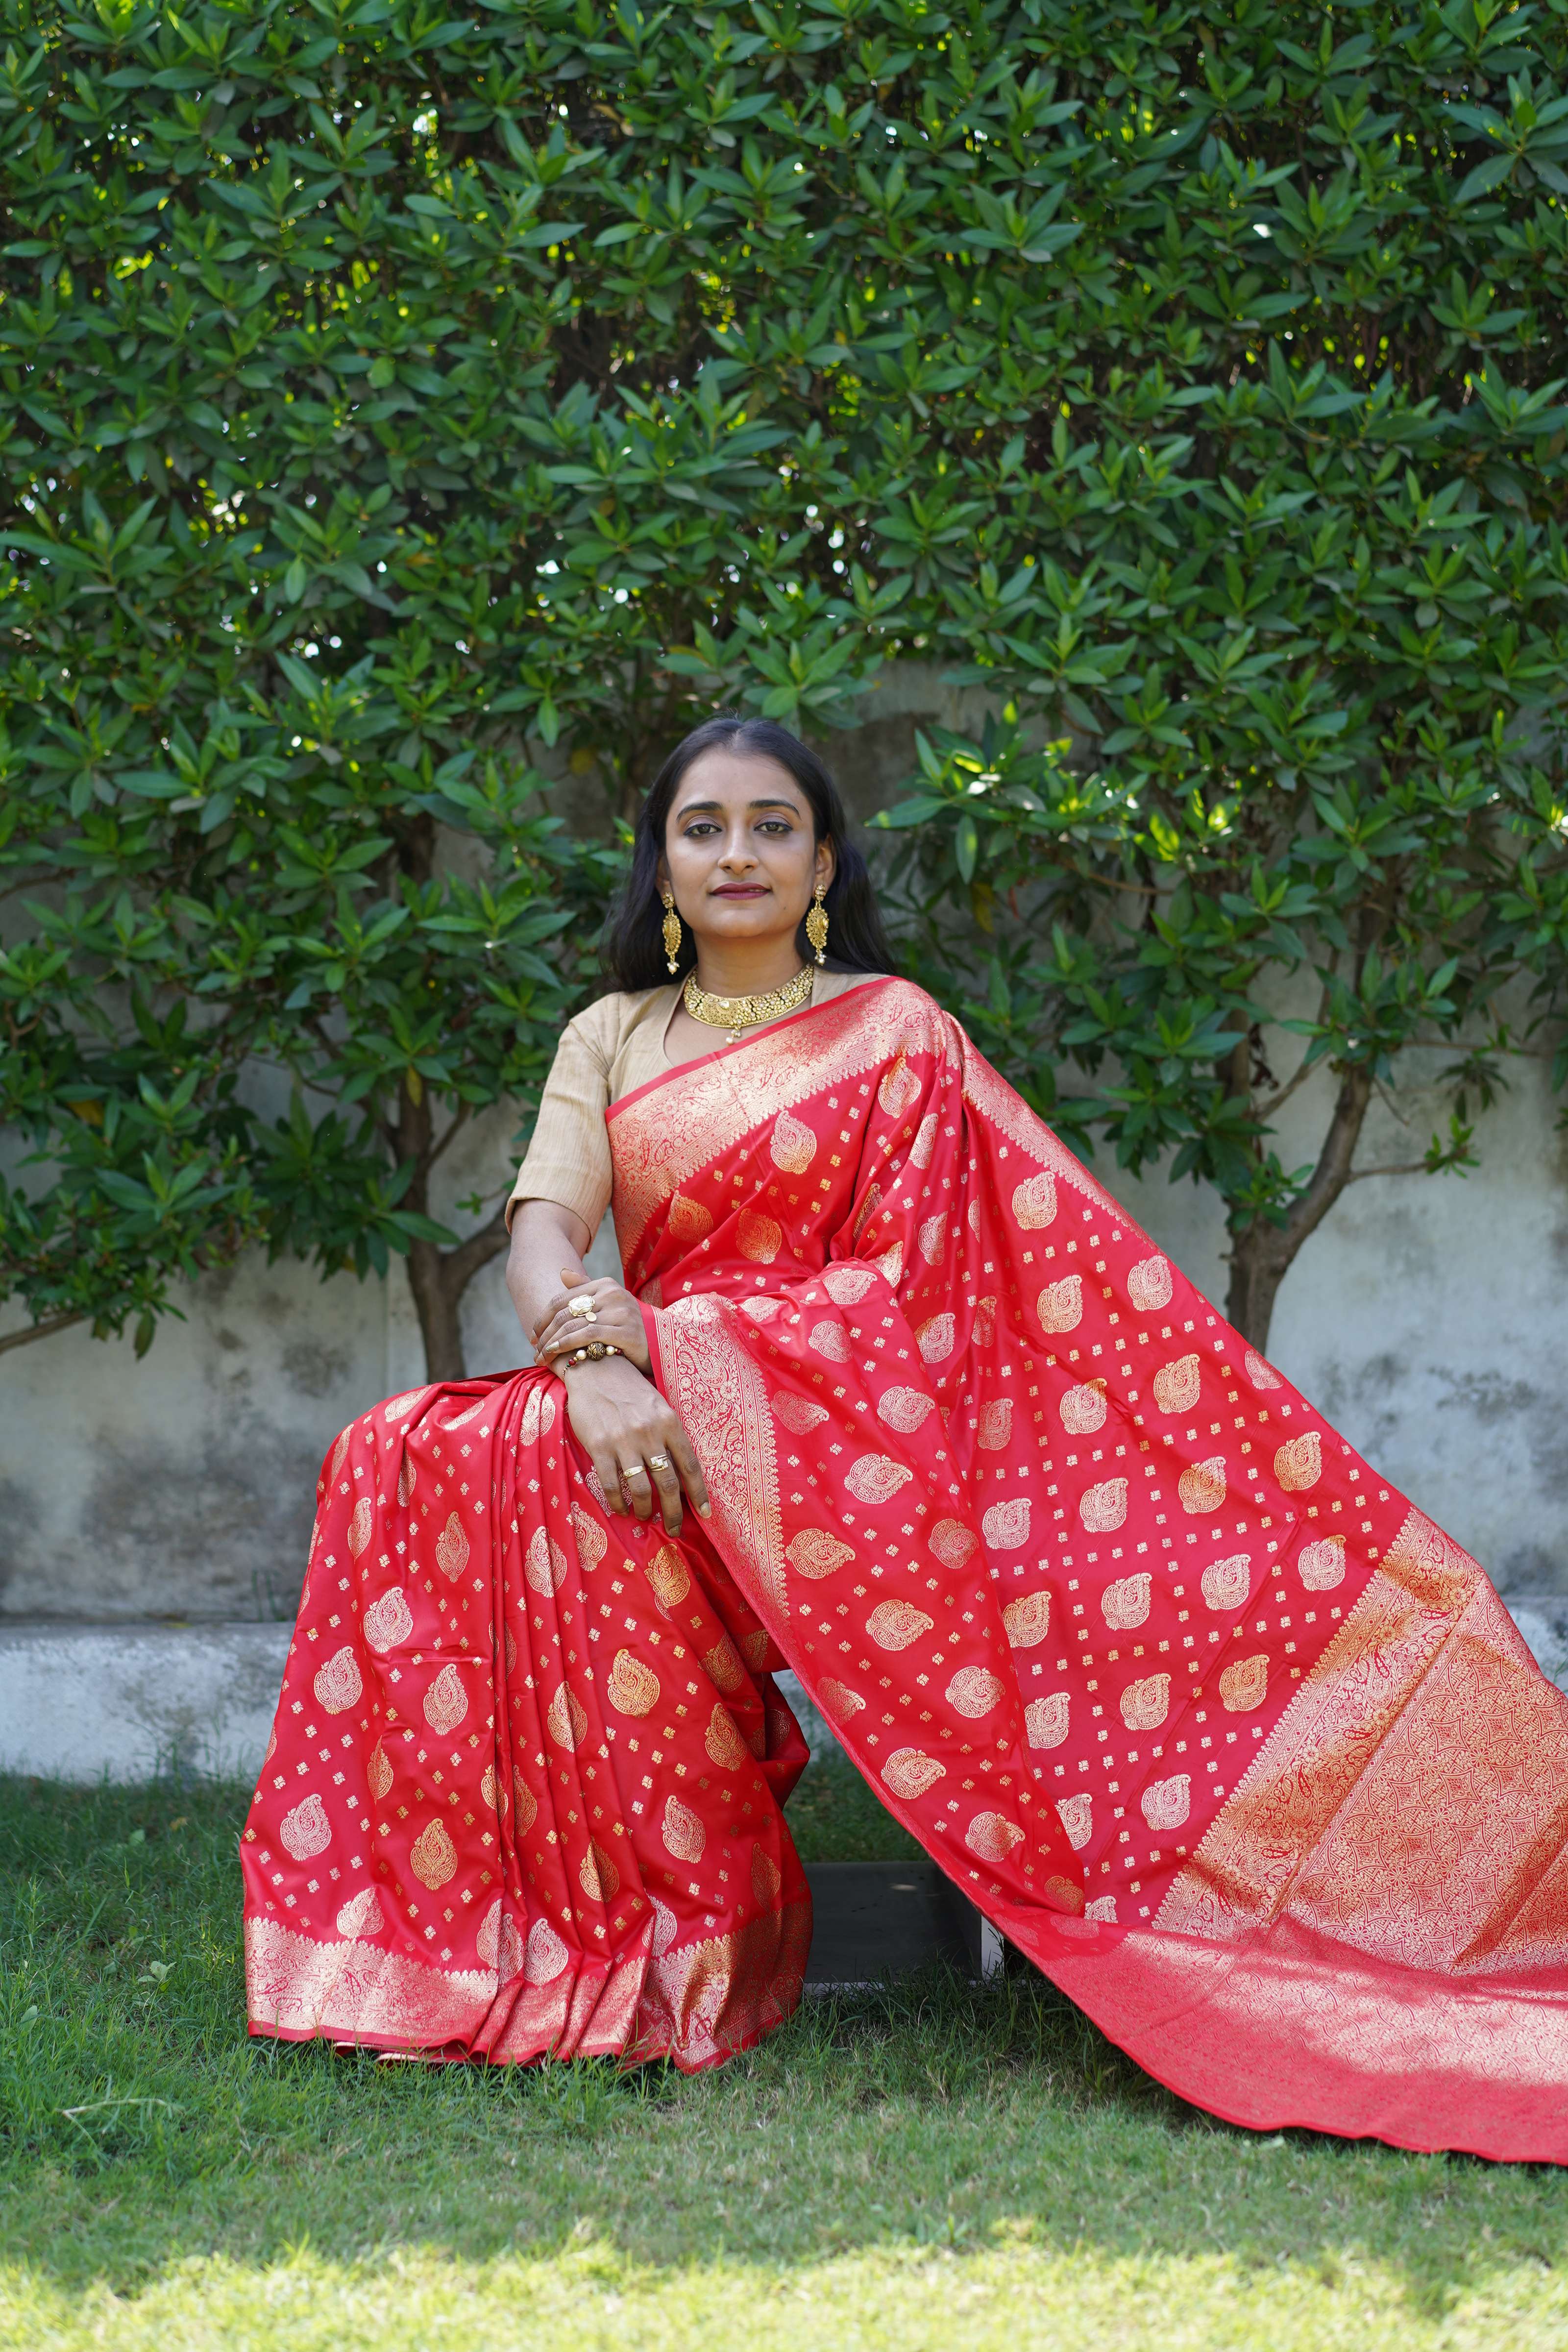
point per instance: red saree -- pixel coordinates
(1237, 1747)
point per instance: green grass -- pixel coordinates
(927, 2165)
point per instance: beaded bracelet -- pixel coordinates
(591, 1353)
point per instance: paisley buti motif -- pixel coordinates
(1299, 1464)
(814, 1553)
(1059, 1307)
(909, 1772)
(937, 1337)
(830, 1339)
(993, 1836)
(761, 1310)
(1321, 1565)
(669, 1577)
(682, 1831)
(1046, 1721)
(792, 1144)
(686, 1220)
(931, 1237)
(340, 1451)
(538, 1413)
(723, 1664)
(666, 1928)
(924, 1144)
(723, 1742)
(388, 1621)
(525, 1804)
(1261, 1375)
(767, 1878)
(378, 1772)
(407, 1480)
(362, 1520)
(1201, 1487)
(338, 1684)
(994, 1424)
(510, 1649)
(1166, 1803)
(1075, 1815)
(1147, 1703)
(445, 1701)
(904, 1408)
(487, 1786)
(1125, 1604)
(1034, 1202)
(845, 1285)
(1150, 1285)
(566, 1719)
(875, 1478)
(758, 1237)
(1226, 1582)
(983, 1328)
(1027, 1621)
(361, 1914)
(452, 1549)
(1245, 1685)
(1102, 1508)
(894, 1625)
(974, 1691)
(545, 1564)
(797, 1413)
(1005, 1526)
(899, 1088)
(398, 1408)
(633, 1687)
(589, 1536)
(306, 1832)
(753, 1648)
(497, 1943)
(1083, 1409)
(597, 1875)
(837, 1700)
(433, 1857)
(543, 1955)
(1177, 1385)
(952, 1543)
(1102, 1907)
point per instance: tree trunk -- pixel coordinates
(1263, 1255)
(437, 1280)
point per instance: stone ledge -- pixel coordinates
(122, 1702)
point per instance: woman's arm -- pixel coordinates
(615, 1412)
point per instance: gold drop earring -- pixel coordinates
(817, 922)
(672, 931)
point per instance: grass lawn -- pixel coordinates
(933, 2166)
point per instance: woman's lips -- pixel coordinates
(741, 890)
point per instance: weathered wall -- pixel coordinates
(1425, 1318)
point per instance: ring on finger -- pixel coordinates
(583, 1303)
(658, 1462)
(636, 1471)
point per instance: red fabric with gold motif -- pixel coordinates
(1229, 1739)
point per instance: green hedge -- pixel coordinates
(393, 392)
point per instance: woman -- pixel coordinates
(1234, 1744)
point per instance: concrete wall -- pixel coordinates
(1425, 1318)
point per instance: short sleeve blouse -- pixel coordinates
(611, 1048)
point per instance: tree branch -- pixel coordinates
(44, 1330)
(1401, 1168)
(459, 1266)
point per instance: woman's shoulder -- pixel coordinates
(893, 999)
(605, 1025)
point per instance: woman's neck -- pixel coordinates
(745, 967)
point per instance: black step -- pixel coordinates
(879, 1919)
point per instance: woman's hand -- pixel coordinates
(617, 1317)
(638, 1447)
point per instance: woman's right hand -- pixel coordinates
(624, 1424)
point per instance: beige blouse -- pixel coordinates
(609, 1050)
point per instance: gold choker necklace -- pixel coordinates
(737, 1012)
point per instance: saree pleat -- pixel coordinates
(1235, 1744)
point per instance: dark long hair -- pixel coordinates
(633, 954)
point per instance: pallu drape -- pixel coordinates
(1230, 1740)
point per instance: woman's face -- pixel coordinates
(739, 849)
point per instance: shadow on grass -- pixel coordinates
(138, 2125)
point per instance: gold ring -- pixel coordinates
(658, 1461)
(637, 1471)
(582, 1305)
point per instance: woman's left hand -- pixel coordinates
(617, 1318)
